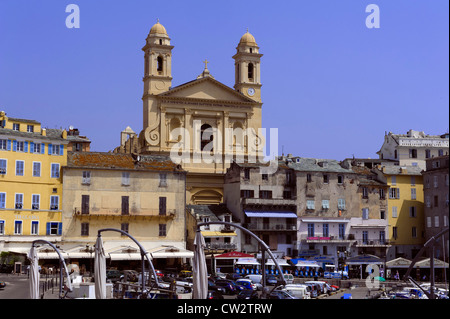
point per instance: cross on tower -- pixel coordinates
(206, 63)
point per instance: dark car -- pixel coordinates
(212, 294)
(248, 294)
(271, 280)
(113, 274)
(2, 284)
(280, 294)
(230, 287)
(212, 286)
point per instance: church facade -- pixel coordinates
(202, 124)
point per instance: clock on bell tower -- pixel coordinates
(247, 68)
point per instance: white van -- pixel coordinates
(323, 285)
(289, 278)
(297, 290)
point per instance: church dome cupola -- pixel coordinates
(158, 29)
(158, 35)
(248, 39)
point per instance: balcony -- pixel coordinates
(145, 214)
(220, 246)
(269, 201)
(270, 227)
(327, 239)
(373, 243)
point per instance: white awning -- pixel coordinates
(281, 262)
(247, 261)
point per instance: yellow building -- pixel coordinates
(31, 158)
(198, 106)
(405, 210)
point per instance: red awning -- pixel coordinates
(235, 254)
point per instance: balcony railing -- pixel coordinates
(330, 238)
(169, 213)
(372, 242)
(221, 246)
(275, 227)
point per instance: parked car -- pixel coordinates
(299, 291)
(280, 294)
(322, 285)
(248, 294)
(289, 278)
(212, 286)
(314, 290)
(2, 284)
(230, 286)
(213, 294)
(131, 275)
(185, 273)
(246, 283)
(233, 276)
(256, 281)
(271, 280)
(113, 275)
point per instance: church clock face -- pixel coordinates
(251, 91)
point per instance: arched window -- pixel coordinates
(160, 41)
(250, 71)
(159, 64)
(206, 136)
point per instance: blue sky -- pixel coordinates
(331, 85)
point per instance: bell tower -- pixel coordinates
(247, 68)
(157, 70)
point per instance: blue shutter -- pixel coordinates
(14, 146)
(25, 147)
(59, 228)
(49, 149)
(61, 150)
(31, 147)
(43, 148)
(48, 229)
(8, 147)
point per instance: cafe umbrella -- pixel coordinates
(200, 273)
(34, 274)
(100, 269)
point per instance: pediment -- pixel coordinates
(206, 89)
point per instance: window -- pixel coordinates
(162, 230)
(246, 173)
(287, 194)
(382, 236)
(394, 232)
(413, 180)
(19, 201)
(394, 180)
(4, 145)
(340, 179)
(86, 178)
(325, 204)
(35, 201)
(394, 211)
(412, 211)
(246, 193)
(365, 237)
(54, 228)
(341, 231)
(445, 221)
(36, 169)
(427, 201)
(382, 214)
(394, 193)
(381, 193)
(162, 206)
(446, 180)
(427, 153)
(162, 180)
(436, 201)
(2, 227)
(365, 213)
(265, 177)
(325, 232)
(124, 227)
(54, 202)
(414, 232)
(125, 205)
(55, 170)
(412, 153)
(84, 229)
(440, 152)
(126, 178)
(265, 194)
(308, 178)
(310, 204)
(250, 71)
(17, 227)
(20, 165)
(341, 203)
(413, 193)
(310, 230)
(36, 147)
(3, 166)
(159, 62)
(325, 178)
(30, 128)
(85, 204)
(16, 127)
(429, 221)
(365, 192)
(34, 227)
(435, 178)
(436, 221)
(56, 149)
(2, 200)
